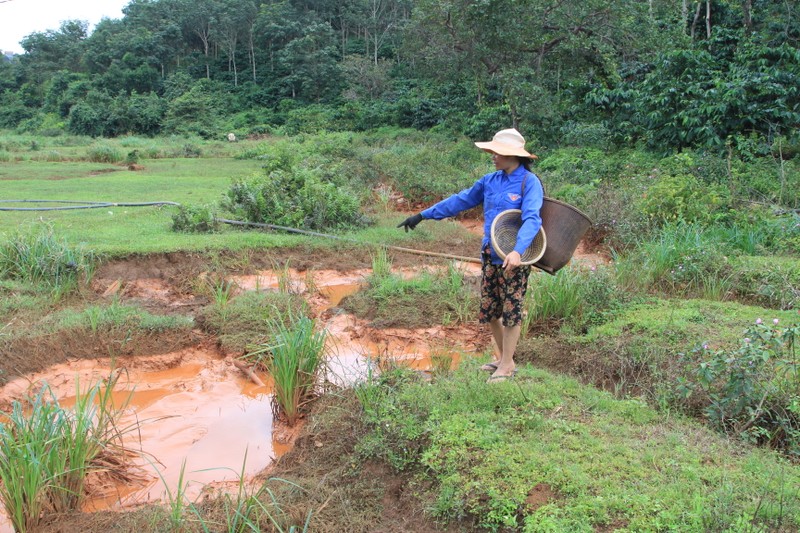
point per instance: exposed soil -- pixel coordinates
(319, 460)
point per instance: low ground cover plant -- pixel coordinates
(546, 454)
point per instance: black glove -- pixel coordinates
(411, 222)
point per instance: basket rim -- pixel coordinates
(565, 204)
(501, 253)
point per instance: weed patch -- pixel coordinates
(39, 256)
(484, 448)
(243, 322)
(427, 299)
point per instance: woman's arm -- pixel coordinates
(466, 199)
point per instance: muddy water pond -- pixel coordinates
(200, 423)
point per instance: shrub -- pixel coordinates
(753, 390)
(683, 197)
(298, 198)
(195, 219)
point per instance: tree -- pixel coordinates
(49, 52)
(309, 66)
(234, 21)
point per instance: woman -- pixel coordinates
(504, 281)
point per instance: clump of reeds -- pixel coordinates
(46, 451)
(39, 256)
(294, 358)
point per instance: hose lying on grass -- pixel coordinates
(95, 205)
(80, 205)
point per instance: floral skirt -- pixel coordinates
(502, 292)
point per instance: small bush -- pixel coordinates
(298, 198)
(195, 219)
(190, 150)
(753, 390)
(683, 197)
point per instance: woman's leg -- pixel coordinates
(515, 285)
(506, 366)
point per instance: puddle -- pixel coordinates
(199, 413)
(193, 408)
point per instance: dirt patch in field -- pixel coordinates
(24, 355)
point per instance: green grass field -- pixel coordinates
(543, 453)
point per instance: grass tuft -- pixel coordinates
(46, 451)
(39, 256)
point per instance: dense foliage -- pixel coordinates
(718, 74)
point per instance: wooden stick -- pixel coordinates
(249, 371)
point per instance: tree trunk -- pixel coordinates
(708, 19)
(696, 18)
(747, 6)
(252, 51)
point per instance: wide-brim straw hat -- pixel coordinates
(503, 234)
(507, 142)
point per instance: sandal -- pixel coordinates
(489, 367)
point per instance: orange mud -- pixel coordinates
(193, 405)
(355, 350)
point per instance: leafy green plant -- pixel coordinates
(294, 358)
(754, 390)
(682, 197)
(298, 198)
(195, 219)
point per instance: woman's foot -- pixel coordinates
(502, 374)
(490, 367)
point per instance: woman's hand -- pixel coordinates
(513, 260)
(411, 222)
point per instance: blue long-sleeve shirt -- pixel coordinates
(498, 191)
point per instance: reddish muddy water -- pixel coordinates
(196, 412)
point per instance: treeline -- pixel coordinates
(666, 74)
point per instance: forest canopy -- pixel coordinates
(661, 74)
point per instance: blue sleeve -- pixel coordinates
(466, 199)
(531, 219)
